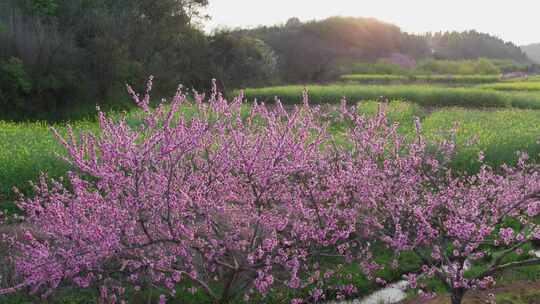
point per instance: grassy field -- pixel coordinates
(28, 148)
(499, 133)
(526, 86)
(425, 95)
(448, 79)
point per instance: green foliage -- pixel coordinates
(14, 83)
(241, 60)
(82, 52)
(76, 53)
(497, 132)
(43, 7)
(474, 45)
(456, 79)
(318, 50)
(310, 51)
(28, 148)
(435, 67)
(13, 71)
(530, 78)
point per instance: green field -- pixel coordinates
(29, 148)
(425, 95)
(299, 192)
(498, 133)
(449, 79)
(485, 124)
(496, 122)
(26, 149)
(526, 86)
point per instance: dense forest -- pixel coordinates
(59, 58)
(318, 50)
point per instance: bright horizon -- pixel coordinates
(516, 21)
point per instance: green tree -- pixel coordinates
(474, 45)
(311, 51)
(241, 60)
(14, 84)
(86, 50)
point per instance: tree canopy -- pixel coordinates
(62, 57)
(473, 45)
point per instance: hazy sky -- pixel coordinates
(516, 20)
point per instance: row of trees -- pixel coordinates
(399, 64)
(235, 204)
(473, 45)
(319, 50)
(312, 51)
(61, 55)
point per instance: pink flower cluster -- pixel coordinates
(256, 200)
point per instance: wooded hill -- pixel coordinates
(59, 58)
(532, 51)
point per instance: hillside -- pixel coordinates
(472, 45)
(310, 51)
(533, 51)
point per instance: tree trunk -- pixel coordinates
(457, 295)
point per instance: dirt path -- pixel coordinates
(513, 293)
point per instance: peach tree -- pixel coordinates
(236, 201)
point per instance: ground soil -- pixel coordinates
(521, 293)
